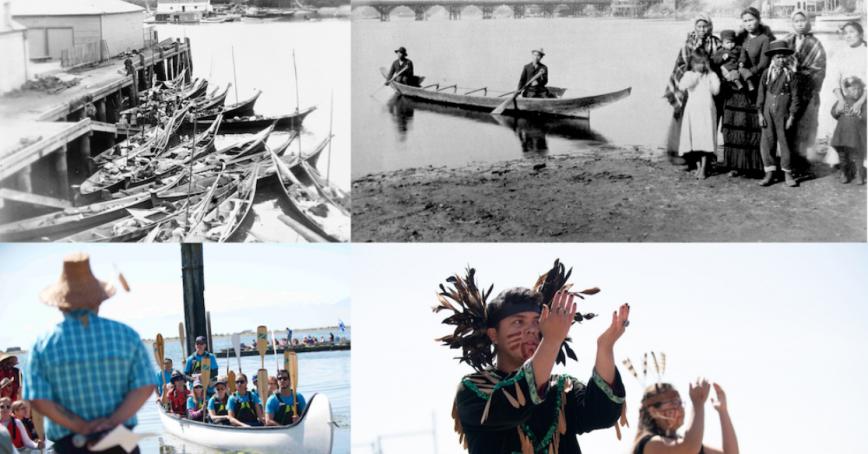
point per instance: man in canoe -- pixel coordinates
(194, 363)
(165, 375)
(402, 69)
(280, 410)
(537, 88)
(89, 374)
(245, 408)
(513, 402)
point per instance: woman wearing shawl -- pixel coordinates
(810, 67)
(741, 128)
(700, 38)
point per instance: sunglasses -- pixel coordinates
(674, 403)
(5, 407)
(283, 378)
(240, 382)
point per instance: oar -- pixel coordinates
(290, 360)
(205, 372)
(160, 352)
(499, 109)
(236, 344)
(390, 80)
(183, 344)
(274, 347)
(262, 373)
(39, 422)
(230, 377)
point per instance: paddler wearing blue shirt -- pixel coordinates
(245, 409)
(166, 376)
(218, 404)
(194, 362)
(279, 410)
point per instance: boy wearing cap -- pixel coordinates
(537, 88)
(730, 58)
(60, 369)
(402, 69)
(778, 102)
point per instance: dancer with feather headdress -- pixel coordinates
(513, 402)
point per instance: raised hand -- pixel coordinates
(719, 401)
(555, 323)
(620, 320)
(699, 391)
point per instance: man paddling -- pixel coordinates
(537, 88)
(403, 68)
(89, 374)
(194, 363)
(513, 402)
(280, 409)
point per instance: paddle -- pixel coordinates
(205, 372)
(230, 378)
(262, 373)
(290, 361)
(390, 80)
(39, 423)
(160, 353)
(499, 109)
(183, 344)
(236, 345)
(274, 347)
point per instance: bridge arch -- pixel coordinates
(503, 10)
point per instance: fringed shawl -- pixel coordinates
(710, 44)
(810, 60)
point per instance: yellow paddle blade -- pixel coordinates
(38, 421)
(262, 339)
(262, 384)
(293, 370)
(205, 372)
(160, 350)
(182, 337)
(230, 379)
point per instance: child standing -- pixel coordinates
(730, 58)
(778, 102)
(849, 137)
(698, 128)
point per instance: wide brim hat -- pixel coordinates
(6, 355)
(77, 287)
(539, 51)
(779, 47)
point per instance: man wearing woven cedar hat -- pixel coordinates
(89, 374)
(513, 402)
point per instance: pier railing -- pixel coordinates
(82, 54)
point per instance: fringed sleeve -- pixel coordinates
(487, 403)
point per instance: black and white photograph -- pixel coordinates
(175, 120)
(598, 120)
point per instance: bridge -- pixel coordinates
(519, 8)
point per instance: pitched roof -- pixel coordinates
(71, 7)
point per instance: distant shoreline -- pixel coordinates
(253, 333)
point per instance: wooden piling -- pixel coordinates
(62, 170)
(193, 278)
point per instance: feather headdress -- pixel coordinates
(468, 304)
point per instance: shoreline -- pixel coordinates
(607, 194)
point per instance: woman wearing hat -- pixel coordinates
(176, 395)
(218, 412)
(778, 102)
(89, 374)
(810, 65)
(10, 376)
(196, 402)
(740, 125)
(401, 70)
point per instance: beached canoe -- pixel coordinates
(478, 99)
(284, 122)
(312, 434)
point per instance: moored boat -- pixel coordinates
(558, 106)
(239, 109)
(284, 122)
(312, 434)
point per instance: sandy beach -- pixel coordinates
(607, 194)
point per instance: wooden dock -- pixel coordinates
(294, 348)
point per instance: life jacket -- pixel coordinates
(245, 411)
(14, 433)
(178, 401)
(285, 412)
(220, 407)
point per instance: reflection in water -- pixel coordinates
(532, 131)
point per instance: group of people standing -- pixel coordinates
(764, 95)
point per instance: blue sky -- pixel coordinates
(781, 327)
(245, 285)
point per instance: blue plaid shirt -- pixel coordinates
(87, 370)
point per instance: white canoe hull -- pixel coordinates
(313, 434)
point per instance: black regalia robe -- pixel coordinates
(496, 412)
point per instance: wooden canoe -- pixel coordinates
(240, 109)
(223, 220)
(284, 122)
(554, 107)
(312, 434)
(215, 101)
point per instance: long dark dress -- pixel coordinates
(497, 412)
(810, 59)
(741, 127)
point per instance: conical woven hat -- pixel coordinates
(77, 287)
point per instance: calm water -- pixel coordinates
(323, 372)
(263, 60)
(586, 56)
